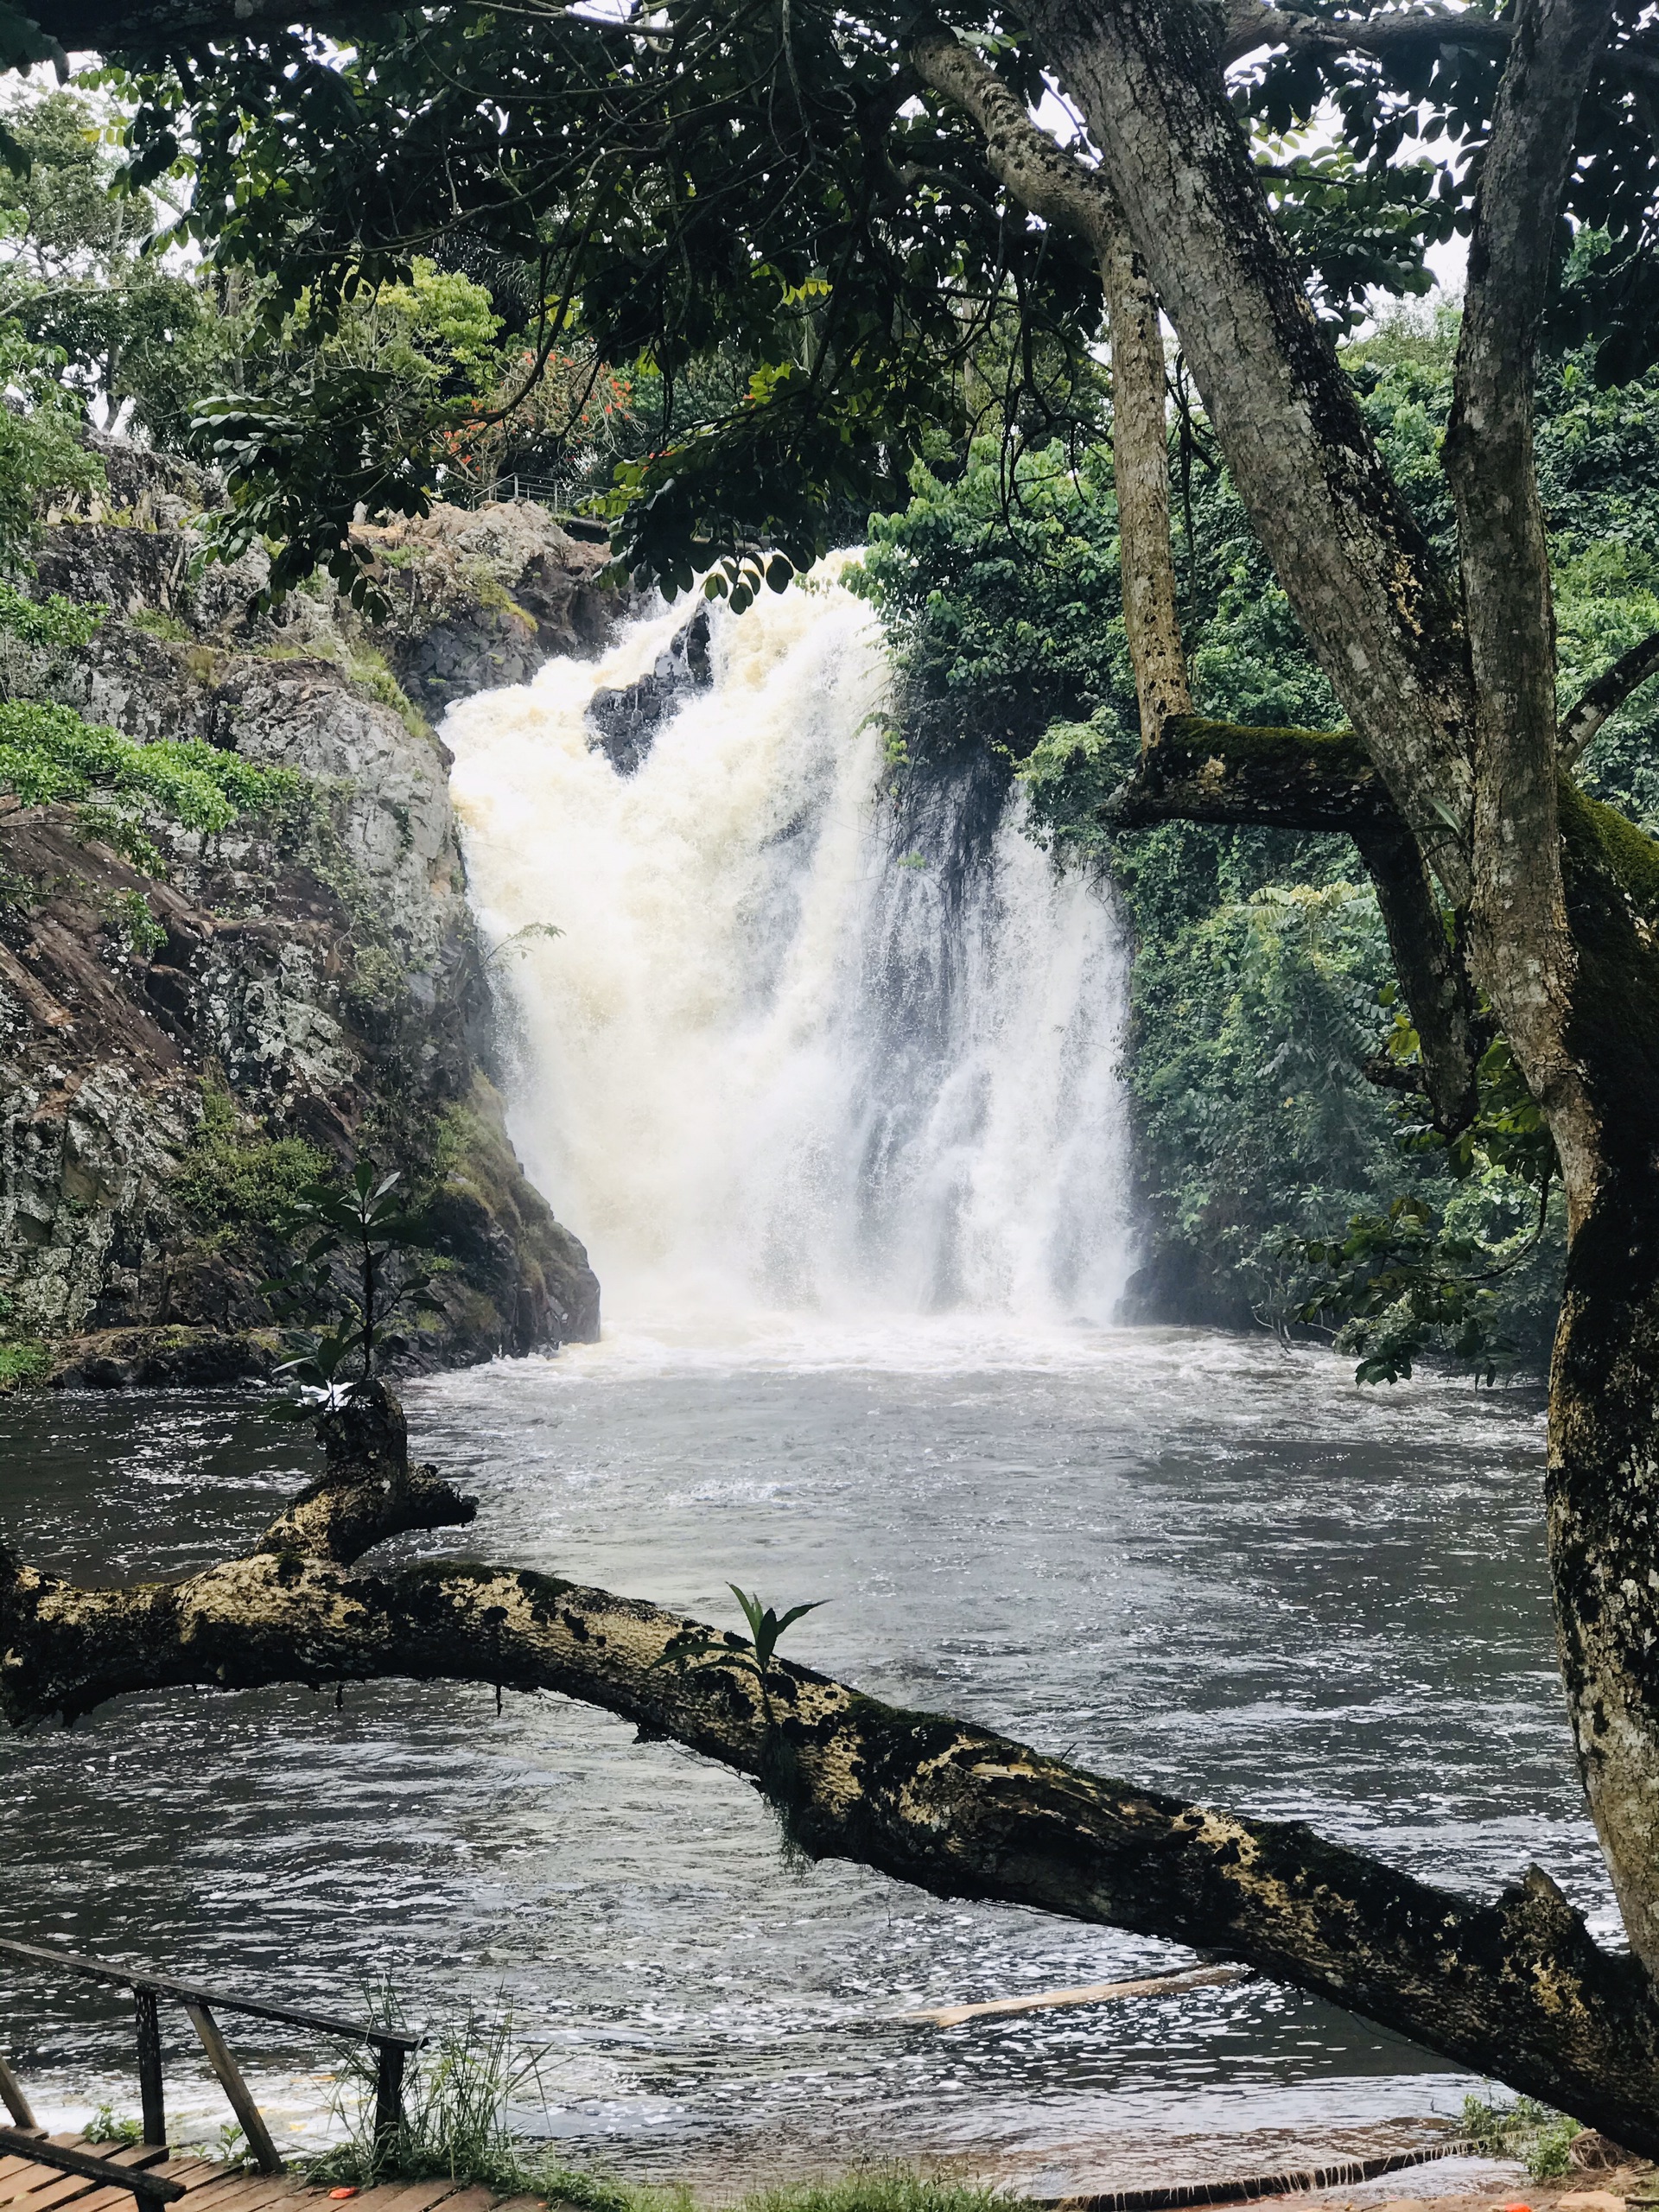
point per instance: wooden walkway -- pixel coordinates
(210, 2187)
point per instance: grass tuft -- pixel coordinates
(1524, 2130)
(880, 2189)
(460, 2090)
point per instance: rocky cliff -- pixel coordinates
(179, 1054)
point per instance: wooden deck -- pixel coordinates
(210, 2187)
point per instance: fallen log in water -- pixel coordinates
(1516, 1988)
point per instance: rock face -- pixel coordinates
(483, 597)
(625, 721)
(178, 1057)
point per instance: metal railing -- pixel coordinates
(393, 2046)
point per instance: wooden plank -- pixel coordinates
(8, 2167)
(399, 2196)
(192, 2173)
(112, 2199)
(1099, 1993)
(152, 2099)
(38, 2181)
(58, 2189)
(244, 2192)
(471, 2200)
(142, 2156)
(11, 2096)
(246, 2189)
(229, 2079)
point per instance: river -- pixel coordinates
(828, 1076)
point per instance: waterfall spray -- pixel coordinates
(798, 1045)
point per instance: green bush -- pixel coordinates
(49, 756)
(1529, 2131)
(52, 621)
(233, 1176)
(23, 1360)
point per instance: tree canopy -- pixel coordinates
(769, 191)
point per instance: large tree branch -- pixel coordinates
(1404, 33)
(1405, 37)
(1601, 700)
(1340, 536)
(1516, 1987)
(1058, 188)
(1518, 914)
(1323, 779)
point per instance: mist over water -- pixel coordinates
(803, 1046)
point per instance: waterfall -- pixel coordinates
(811, 1037)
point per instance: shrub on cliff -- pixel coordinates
(50, 756)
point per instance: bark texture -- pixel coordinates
(1060, 191)
(1518, 913)
(1345, 547)
(1603, 698)
(1516, 1987)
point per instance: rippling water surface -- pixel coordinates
(1192, 1559)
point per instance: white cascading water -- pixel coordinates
(801, 1044)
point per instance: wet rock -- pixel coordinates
(161, 1358)
(482, 597)
(627, 719)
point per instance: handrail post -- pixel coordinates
(241, 2097)
(152, 2103)
(388, 2098)
(11, 2096)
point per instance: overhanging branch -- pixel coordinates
(1286, 778)
(1515, 1988)
(1403, 37)
(1603, 698)
(1270, 778)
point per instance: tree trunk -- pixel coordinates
(1515, 1988)
(1603, 1480)
(1141, 478)
(1344, 546)
(1058, 190)
(1560, 912)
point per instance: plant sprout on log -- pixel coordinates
(365, 1223)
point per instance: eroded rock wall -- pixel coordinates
(176, 1056)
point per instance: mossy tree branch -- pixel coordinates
(1288, 778)
(1516, 1987)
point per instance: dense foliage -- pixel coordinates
(1279, 1181)
(782, 241)
(111, 785)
